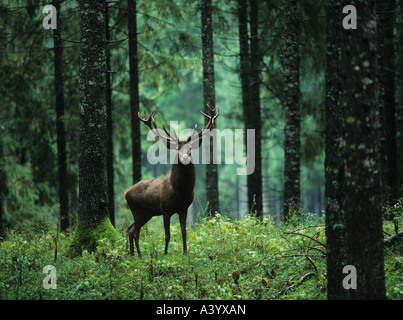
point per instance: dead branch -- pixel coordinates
(309, 237)
(392, 239)
(300, 281)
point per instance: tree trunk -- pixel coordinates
(109, 129)
(209, 98)
(93, 216)
(3, 185)
(292, 110)
(334, 156)
(399, 97)
(244, 70)
(362, 188)
(255, 186)
(386, 76)
(134, 90)
(60, 130)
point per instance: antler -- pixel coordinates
(150, 122)
(210, 123)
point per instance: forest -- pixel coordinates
(273, 128)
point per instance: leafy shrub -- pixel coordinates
(246, 259)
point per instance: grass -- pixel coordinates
(227, 259)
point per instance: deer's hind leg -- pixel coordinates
(130, 232)
(134, 232)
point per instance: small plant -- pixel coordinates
(227, 259)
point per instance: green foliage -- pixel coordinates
(86, 235)
(246, 259)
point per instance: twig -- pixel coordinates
(301, 280)
(311, 262)
(309, 237)
(393, 238)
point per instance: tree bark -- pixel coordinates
(399, 97)
(334, 156)
(291, 62)
(362, 188)
(109, 128)
(60, 130)
(134, 90)
(244, 70)
(255, 183)
(3, 184)
(93, 215)
(386, 76)
(209, 98)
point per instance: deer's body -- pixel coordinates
(164, 196)
(168, 195)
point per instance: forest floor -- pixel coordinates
(245, 259)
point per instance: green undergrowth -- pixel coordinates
(246, 259)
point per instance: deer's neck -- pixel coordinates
(183, 176)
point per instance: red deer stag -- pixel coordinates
(170, 194)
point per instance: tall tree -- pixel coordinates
(209, 98)
(386, 76)
(362, 188)
(244, 71)
(255, 183)
(134, 90)
(93, 215)
(291, 62)
(250, 82)
(3, 184)
(399, 96)
(109, 129)
(60, 130)
(334, 155)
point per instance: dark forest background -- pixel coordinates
(326, 104)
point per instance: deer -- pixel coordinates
(172, 193)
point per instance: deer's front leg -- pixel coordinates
(182, 220)
(167, 224)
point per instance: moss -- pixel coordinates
(87, 234)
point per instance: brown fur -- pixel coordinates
(171, 194)
(164, 196)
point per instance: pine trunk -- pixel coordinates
(334, 156)
(60, 130)
(93, 215)
(292, 110)
(386, 76)
(362, 187)
(209, 98)
(399, 96)
(109, 130)
(255, 186)
(134, 90)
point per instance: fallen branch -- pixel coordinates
(301, 280)
(304, 235)
(392, 239)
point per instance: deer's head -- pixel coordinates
(183, 147)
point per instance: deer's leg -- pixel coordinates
(139, 221)
(167, 224)
(182, 220)
(130, 232)
(136, 238)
